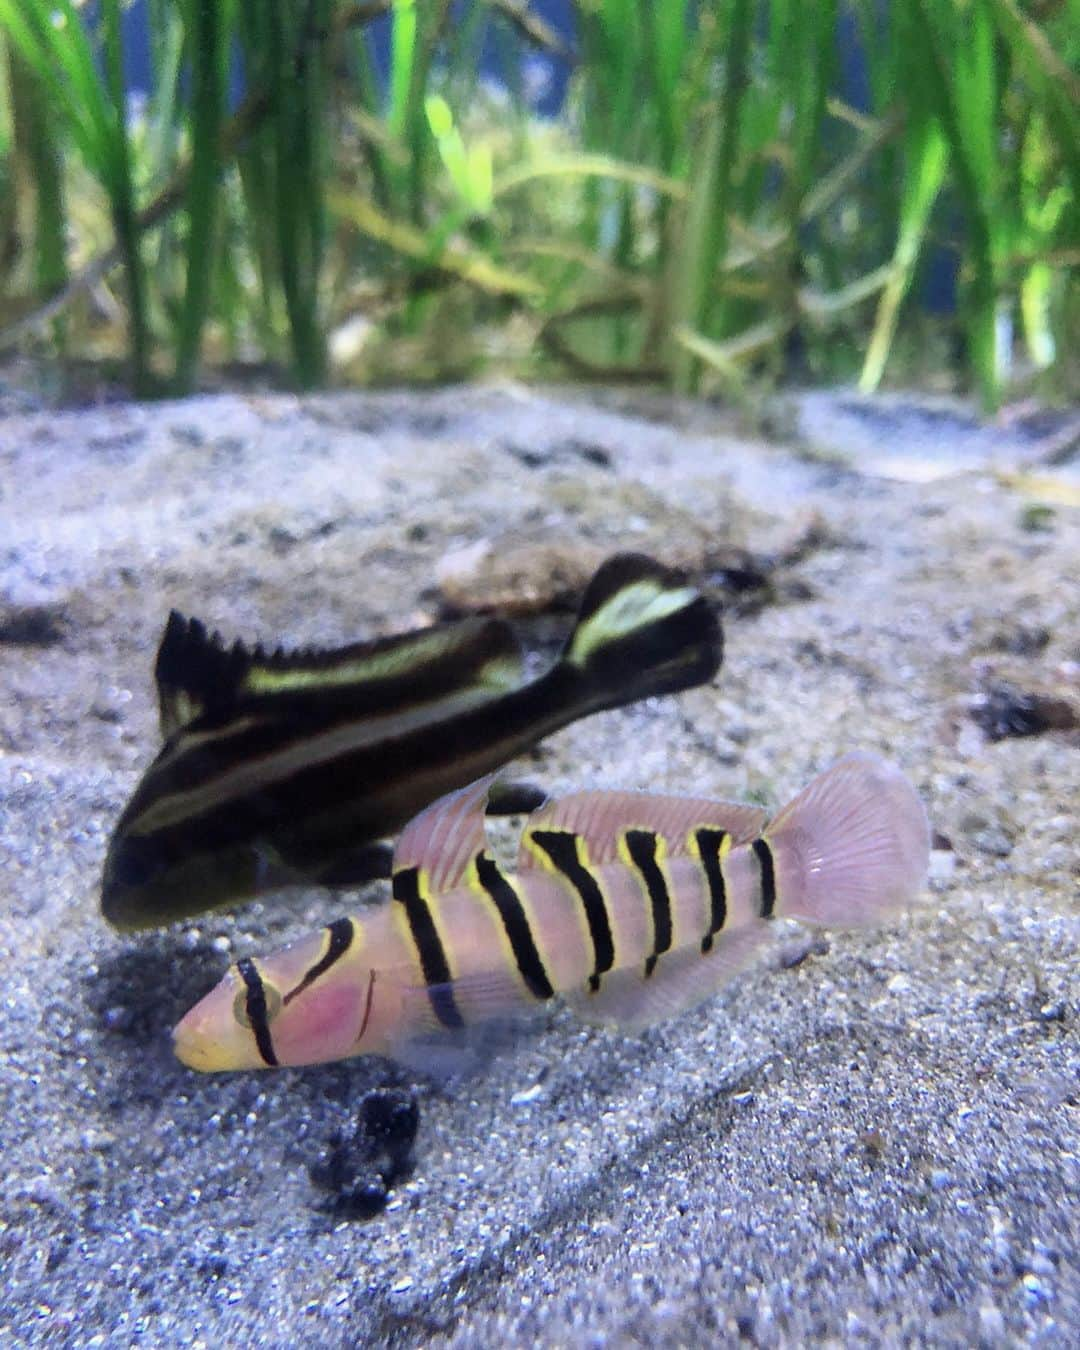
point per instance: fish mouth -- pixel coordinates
(191, 1049)
(196, 1045)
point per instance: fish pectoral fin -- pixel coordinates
(602, 819)
(456, 1028)
(628, 1000)
(444, 840)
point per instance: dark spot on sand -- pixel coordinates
(34, 625)
(1003, 709)
(361, 1165)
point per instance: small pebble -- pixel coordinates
(527, 1095)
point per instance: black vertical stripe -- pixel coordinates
(641, 846)
(515, 923)
(709, 843)
(561, 846)
(341, 935)
(429, 948)
(763, 853)
(255, 1007)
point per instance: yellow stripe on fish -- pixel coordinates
(632, 907)
(291, 766)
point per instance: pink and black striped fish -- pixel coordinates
(633, 907)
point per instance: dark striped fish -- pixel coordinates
(633, 907)
(292, 765)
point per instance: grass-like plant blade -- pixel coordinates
(56, 46)
(416, 245)
(208, 28)
(1055, 83)
(122, 193)
(960, 81)
(928, 157)
(294, 67)
(36, 170)
(587, 166)
(705, 232)
(53, 42)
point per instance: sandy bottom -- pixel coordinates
(869, 1139)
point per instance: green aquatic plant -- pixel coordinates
(718, 200)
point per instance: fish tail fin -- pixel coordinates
(642, 630)
(853, 848)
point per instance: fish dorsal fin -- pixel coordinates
(197, 674)
(684, 977)
(194, 672)
(602, 819)
(443, 840)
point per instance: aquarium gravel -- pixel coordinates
(868, 1140)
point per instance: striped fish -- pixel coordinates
(289, 766)
(633, 907)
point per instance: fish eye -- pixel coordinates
(271, 1001)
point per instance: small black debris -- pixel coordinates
(795, 953)
(281, 540)
(590, 453)
(1003, 709)
(1023, 640)
(360, 1167)
(531, 459)
(33, 625)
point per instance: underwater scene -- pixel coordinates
(539, 673)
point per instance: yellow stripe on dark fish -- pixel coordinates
(282, 767)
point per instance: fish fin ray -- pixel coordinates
(194, 672)
(853, 847)
(444, 839)
(601, 819)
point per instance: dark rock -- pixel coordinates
(360, 1166)
(1003, 709)
(34, 625)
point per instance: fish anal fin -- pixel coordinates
(443, 840)
(602, 819)
(683, 977)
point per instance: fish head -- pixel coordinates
(144, 885)
(296, 1006)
